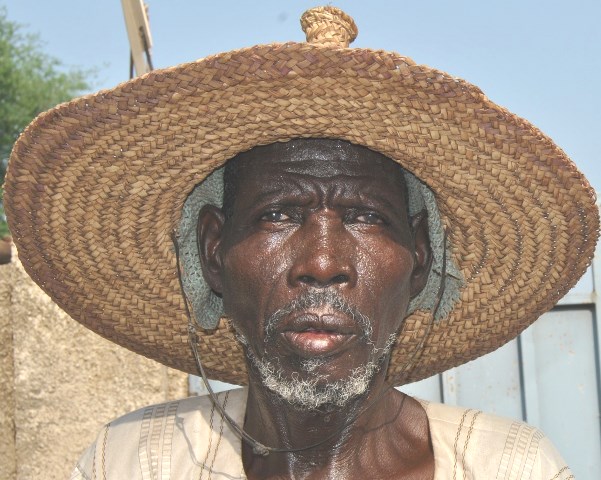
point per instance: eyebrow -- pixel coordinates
(367, 196)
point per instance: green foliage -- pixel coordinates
(30, 82)
(3, 226)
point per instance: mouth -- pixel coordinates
(316, 334)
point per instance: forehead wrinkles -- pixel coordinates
(318, 158)
(330, 192)
(338, 173)
(324, 158)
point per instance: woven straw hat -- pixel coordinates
(95, 188)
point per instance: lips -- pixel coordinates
(315, 334)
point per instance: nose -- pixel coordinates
(323, 255)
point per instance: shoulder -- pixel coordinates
(488, 446)
(151, 438)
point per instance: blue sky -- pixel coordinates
(540, 59)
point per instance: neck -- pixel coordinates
(336, 442)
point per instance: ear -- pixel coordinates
(209, 231)
(423, 252)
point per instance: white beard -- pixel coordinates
(314, 391)
(311, 393)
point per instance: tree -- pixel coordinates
(30, 82)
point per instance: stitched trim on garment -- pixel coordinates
(455, 452)
(227, 394)
(155, 439)
(103, 465)
(143, 451)
(467, 440)
(168, 440)
(525, 451)
(209, 446)
(558, 474)
(94, 465)
(532, 452)
(519, 454)
(506, 457)
(103, 455)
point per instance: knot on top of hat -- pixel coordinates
(328, 26)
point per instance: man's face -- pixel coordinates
(317, 261)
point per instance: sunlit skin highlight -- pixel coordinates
(322, 215)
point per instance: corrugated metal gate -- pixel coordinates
(548, 377)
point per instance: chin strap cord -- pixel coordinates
(418, 351)
(257, 447)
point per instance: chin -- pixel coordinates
(310, 390)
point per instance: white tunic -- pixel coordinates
(188, 439)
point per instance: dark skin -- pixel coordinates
(312, 215)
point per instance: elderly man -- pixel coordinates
(376, 222)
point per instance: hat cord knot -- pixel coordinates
(328, 26)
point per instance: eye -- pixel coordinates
(368, 218)
(274, 216)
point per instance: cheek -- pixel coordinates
(251, 271)
(387, 273)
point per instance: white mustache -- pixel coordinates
(315, 298)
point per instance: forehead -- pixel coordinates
(318, 158)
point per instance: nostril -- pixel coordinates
(339, 279)
(314, 282)
(307, 280)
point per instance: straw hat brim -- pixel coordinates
(95, 189)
